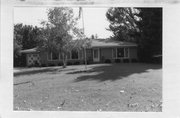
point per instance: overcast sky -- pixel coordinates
(95, 21)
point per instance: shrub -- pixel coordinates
(50, 64)
(134, 60)
(126, 60)
(117, 60)
(30, 65)
(88, 62)
(69, 63)
(36, 64)
(43, 65)
(107, 61)
(157, 60)
(76, 63)
(60, 64)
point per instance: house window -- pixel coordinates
(126, 52)
(120, 52)
(74, 54)
(54, 56)
(95, 53)
(68, 56)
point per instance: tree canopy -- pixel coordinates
(150, 40)
(59, 31)
(123, 23)
(25, 37)
(140, 25)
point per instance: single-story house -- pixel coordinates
(101, 51)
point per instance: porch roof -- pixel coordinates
(95, 43)
(32, 50)
(110, 43)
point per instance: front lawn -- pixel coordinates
(103, 87)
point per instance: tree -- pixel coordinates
(150, 41)
(92, 36)
(140, 25)
(59, 31)
(17, 40)
(30, 36)
(123, 23)
(96, 36)
(25, 37)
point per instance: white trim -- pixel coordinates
(114, 49)
(116, 53)
(112, 53)
(51, 57)
(124, 53)
(98, 59)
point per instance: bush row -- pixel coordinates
(88, 62)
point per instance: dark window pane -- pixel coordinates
(126, 52)
(114, 52)
(74, 54)
(120, 52)
(54, 56)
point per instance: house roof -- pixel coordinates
(96, 43)
(32, 50)
(110, 43)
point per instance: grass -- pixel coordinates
(103, 87)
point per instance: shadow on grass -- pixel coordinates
(114, 71)
(45, 70)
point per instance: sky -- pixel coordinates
(95, 21)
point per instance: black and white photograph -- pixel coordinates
(88, 58)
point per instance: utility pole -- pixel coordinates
(84, 39)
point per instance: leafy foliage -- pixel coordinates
(150, 41)
(17, 39)
(123, 23)
(140, 25)
(25, 37)
(59, 31)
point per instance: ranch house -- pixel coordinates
(101, 51)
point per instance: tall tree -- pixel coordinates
(123, 23)
(59, 31)
(17, 39)
(25, 37)
(30, 36)
(150, 32)
(140, 25)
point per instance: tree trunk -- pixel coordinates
(64, 60)
(85, 59)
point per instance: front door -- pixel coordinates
(96, 55)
